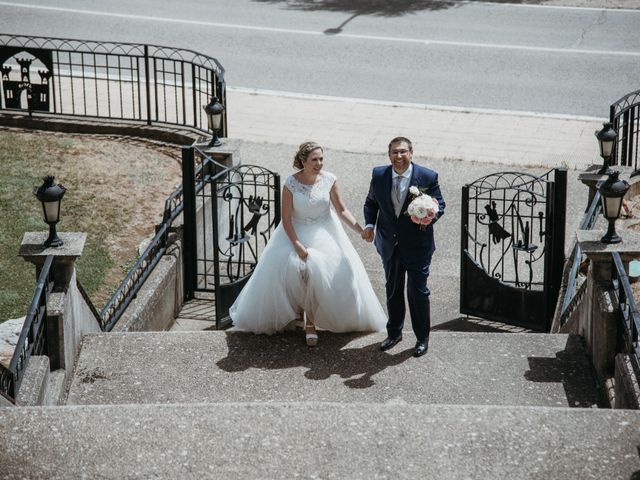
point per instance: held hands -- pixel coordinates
(367, 234)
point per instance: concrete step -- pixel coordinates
(318, 440)
(216, 366)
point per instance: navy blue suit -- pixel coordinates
(405, 249)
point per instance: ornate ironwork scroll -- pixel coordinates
(507, 222)
(229, 216)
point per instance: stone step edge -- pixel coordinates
(342, 405)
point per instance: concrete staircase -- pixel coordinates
(214, 404)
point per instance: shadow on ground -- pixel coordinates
(357, 364)
(385, 8)
(572, 368)
(470, 324)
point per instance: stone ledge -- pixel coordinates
(319, 440)
(34, 383)
(69, 124)
(222, 366)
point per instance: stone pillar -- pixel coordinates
(601, 328)
(62, 273)
(590, 177)
(228, 154)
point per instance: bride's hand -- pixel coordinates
(302, 252)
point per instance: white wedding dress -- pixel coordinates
(332, 283)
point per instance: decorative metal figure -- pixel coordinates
(496, 231)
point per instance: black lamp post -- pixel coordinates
(606, 138)
(51, 197)
(612, 191)
(214, 117)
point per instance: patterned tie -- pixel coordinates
(397, 194)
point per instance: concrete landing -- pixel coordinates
(460, 368)
(320, 440)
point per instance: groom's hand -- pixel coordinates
(367, 234)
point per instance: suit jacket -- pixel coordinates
(415, 245)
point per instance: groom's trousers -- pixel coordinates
(417, 295)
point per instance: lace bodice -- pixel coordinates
(311, 202)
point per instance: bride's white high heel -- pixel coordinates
(310, 335)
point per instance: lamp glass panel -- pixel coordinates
(607, 146)
(51, 211)
(214, 121)
(612, 206)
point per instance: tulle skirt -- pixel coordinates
(332, 283)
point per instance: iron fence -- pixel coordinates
(149, 84)
(32, 339)
(625, 116)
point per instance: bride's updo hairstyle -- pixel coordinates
(303, 153)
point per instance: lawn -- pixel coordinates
(116, 189)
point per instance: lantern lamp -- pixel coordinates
(50, 195)
(214, 117)
(606, 139)
(612, 192)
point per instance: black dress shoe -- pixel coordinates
(389, 342)
(420, 349)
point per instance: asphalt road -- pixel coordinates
(567, 61)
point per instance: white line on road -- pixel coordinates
(311, 32)
(556, 7)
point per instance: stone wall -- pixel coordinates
(160, 298)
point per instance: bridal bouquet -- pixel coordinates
(422, 209)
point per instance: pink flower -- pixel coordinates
(422, 210)
(422, 221)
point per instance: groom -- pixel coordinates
(405, 247)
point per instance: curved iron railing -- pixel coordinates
(151, 84)
(32, 339)
(625, 116)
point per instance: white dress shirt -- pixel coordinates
(404, 184)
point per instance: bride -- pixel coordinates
(309, 267)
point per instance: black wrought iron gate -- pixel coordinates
(512, 248)
(229, 215)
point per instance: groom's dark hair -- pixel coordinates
(398, 140)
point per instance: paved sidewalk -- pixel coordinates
(355, 134)
(362, 126)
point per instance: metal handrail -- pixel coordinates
(571, 292)
(629, 318)
(135, 278)
(32, 339)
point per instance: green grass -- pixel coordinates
(25, 159)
